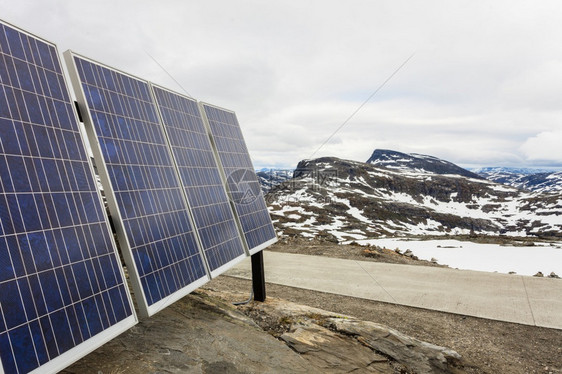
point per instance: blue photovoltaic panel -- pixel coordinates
(241, 178)
(62, 288)
(198, 169)
(144, 191)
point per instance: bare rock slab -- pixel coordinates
(333, 353)
(417, 355)
(341, 344)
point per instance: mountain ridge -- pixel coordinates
(539, 181)
(351, 200)
(531, 179)
(417, 163)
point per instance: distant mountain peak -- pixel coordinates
(416, 162)
(538, 180)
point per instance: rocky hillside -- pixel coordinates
(351, 200)
(527, 179)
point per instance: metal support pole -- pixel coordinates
(258, 277)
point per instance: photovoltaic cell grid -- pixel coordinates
(146, 189)
(240, 176)
(62, 289)
(201, 178)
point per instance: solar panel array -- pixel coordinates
(201, 179)
(154, 222)
(62, 287)
(179, 182)
(240, 176)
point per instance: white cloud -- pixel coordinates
(545, 147)
(485, 77)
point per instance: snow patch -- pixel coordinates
(483, 257)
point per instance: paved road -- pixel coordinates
(511, 298)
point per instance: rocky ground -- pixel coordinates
(486, 346)
(197, 334)
(338, 343)
(204, 333)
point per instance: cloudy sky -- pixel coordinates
(483, 88)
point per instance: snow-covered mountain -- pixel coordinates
(527, 179)
(353, 200)
(269, 178)
(416, 163)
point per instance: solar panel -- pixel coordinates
(143, 189)
(62, 287)
(198, 169)
(241, 179)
